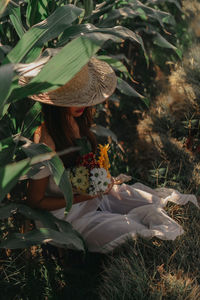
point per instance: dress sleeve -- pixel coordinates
(44, 172)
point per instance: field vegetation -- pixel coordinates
(152, 123)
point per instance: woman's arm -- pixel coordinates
(37, 198)
(37, 187)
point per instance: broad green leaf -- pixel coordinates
(3, 4)
(44, 235)
(103, 131)
(5, 127)
(36, 11)
(72, 58)
(47, 220)
(4, 49)
(45, 217)
(6, 75)
(44, 31)
(160, 16)
(15, 17)
(68, 62)
(31, 120)
(156, 2)
(88, 6)
(126, 89)
(117, 33)
(115, 63)
(7, 148)
(102, 9)
(117, 14)
(60, 174)
(160, 41)
(10, 174)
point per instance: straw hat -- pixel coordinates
(93, 84)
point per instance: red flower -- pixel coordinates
(88, 160)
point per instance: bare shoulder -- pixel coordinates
(41, 135)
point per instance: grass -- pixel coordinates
(141, 269)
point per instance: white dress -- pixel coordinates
(127, 211)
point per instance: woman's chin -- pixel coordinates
(78, 113)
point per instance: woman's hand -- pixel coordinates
(82, 197)
(109, 186)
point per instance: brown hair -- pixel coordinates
(59, 128)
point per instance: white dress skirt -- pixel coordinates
(127, 211)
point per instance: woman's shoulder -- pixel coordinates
(41, 135)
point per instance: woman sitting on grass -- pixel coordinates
(124, 210)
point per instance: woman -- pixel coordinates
(126, 210)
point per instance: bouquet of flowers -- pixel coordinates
(91, 176)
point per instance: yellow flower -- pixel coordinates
(103, 159)
(82, 171)
(80, 183)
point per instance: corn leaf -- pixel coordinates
(15, 17)
(6, 75)
(126, 89)
(68, 62)
(56, 230)
(10, 174)
(31, 120)
(117, 33)
(3, 4)
(44, 31)
(37, 11)
(55, 165)
(46, 218)
(44, 235)
(115, 63)
(157, 2)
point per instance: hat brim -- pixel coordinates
(100, 85)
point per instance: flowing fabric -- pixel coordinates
(127, 211)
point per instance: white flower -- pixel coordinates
(98, 181)
(100, 184)
(95, 173)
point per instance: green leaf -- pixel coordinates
(3, 4)
(6, 75)
(15, 17)
(160, 41)
(126, 89)
(60, 174)
(72, 58)
(88, 6)
(103, 131)
(56, 230)
(36, 11)
(117, 14)
(157, 2)
(7, 147)
(10, 174)
(44, 31)
(160, 16)
(31, 120)
(45, 217)
(100, 35)
(68, 62)
(115, 63)
(44, 235)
